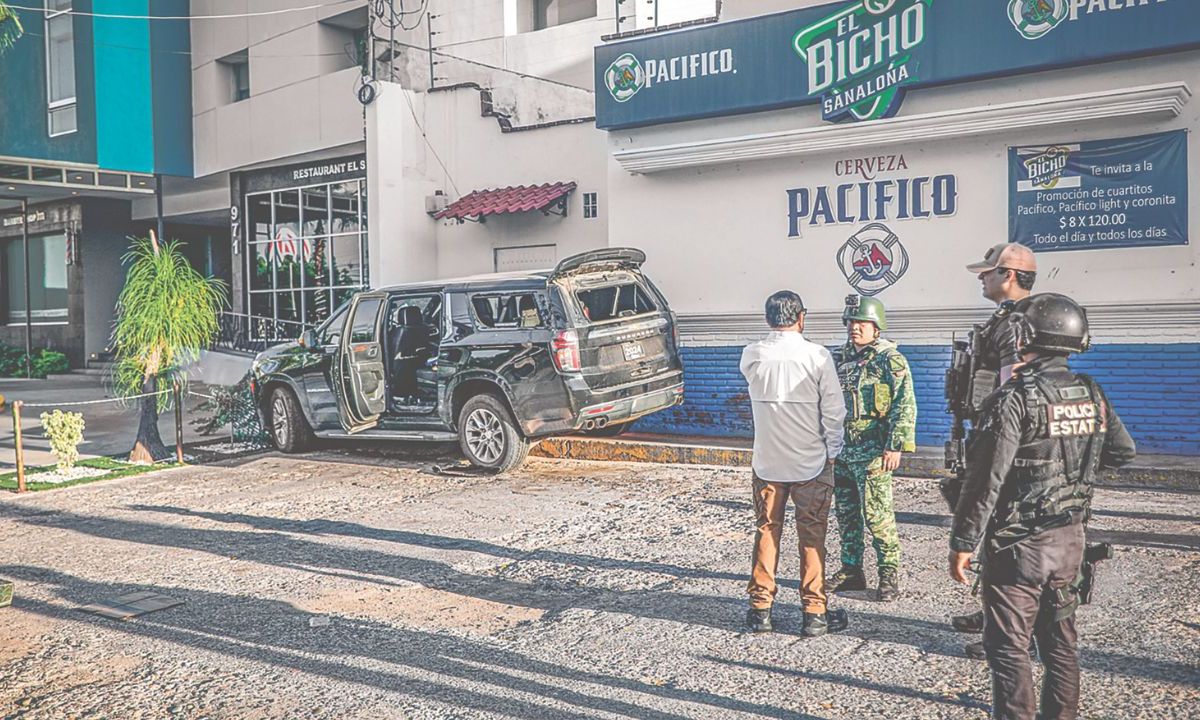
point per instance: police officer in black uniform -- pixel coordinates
(1006, 275)
(1031, 462)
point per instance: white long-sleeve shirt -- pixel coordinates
(798, 406)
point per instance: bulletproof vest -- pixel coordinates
(985, 346)
(1050, 482)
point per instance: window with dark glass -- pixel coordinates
(589, 205)
(236, 68)
(47, 278)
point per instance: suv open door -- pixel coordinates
(360, 380)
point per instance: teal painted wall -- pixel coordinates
(171, 86)
(124, 109)
(133, 85)
(24, 126)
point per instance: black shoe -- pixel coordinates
(850, 577)
(889, 585)
(759, 620)
(975, 651)
(972, 623)
(815, 625)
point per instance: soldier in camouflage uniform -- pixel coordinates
(881, 416)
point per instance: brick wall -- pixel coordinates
(1155, 388)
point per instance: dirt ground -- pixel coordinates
(357, 583)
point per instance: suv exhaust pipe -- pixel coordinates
(589, 424)
(601, 422)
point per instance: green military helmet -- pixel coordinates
(864, 308)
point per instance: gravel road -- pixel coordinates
(359, 584)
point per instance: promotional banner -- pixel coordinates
(1130, 192)
(858, 58)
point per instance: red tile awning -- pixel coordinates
(522, 198)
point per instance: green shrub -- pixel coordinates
(12, 361)
(45, 362)
(65, 431)
(48, 362)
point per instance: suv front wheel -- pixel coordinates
(488, 435)
(289, 429)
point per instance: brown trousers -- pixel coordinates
(812, 500)
(1019, 601)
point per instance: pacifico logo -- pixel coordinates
(624, 77)
(627, 75)
(1035, 18)
(872, 259)
(860, 57)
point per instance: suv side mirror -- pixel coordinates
(308, 339)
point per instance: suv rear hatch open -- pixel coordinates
(623, 328)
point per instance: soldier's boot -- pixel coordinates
(972, 623)
(975, 651)
(759, 620)
(889, 585)
(850, 577)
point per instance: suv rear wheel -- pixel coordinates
(488, 436)
(289, 429)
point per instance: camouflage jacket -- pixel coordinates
(881, 408)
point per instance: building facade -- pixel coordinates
(85, 129)
(875, 147)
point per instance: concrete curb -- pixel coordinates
(1163, 472)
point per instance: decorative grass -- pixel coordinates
(118, 468)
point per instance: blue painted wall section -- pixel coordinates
(1153, 387)
(124, 111)
(24, 125)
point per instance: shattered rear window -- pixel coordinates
(615, 301)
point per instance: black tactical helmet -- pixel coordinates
(1051, 323)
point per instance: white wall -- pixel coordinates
(403, 171)
(297, 104)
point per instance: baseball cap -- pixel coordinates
(1007, 255)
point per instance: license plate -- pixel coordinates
(633, 351)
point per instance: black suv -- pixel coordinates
(495, 361)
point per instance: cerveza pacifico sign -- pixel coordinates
(858, 58)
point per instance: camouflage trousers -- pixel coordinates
(863, 499)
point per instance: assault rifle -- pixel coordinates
(967, 384)
(960, 379)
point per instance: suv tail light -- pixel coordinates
(565, 347)
(675, 330)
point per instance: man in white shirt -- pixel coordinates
(798, 417)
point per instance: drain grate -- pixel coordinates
(131, 605)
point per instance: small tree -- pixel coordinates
(10, 26)
(166, 314)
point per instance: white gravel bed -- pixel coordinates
(57, 476)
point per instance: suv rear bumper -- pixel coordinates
(628, 408)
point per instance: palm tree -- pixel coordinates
(10, 26)
(166, 314)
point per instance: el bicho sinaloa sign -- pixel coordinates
(857, 59)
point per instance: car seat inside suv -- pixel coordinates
(408, 347)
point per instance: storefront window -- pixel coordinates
(306, 251)
(47, 278)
